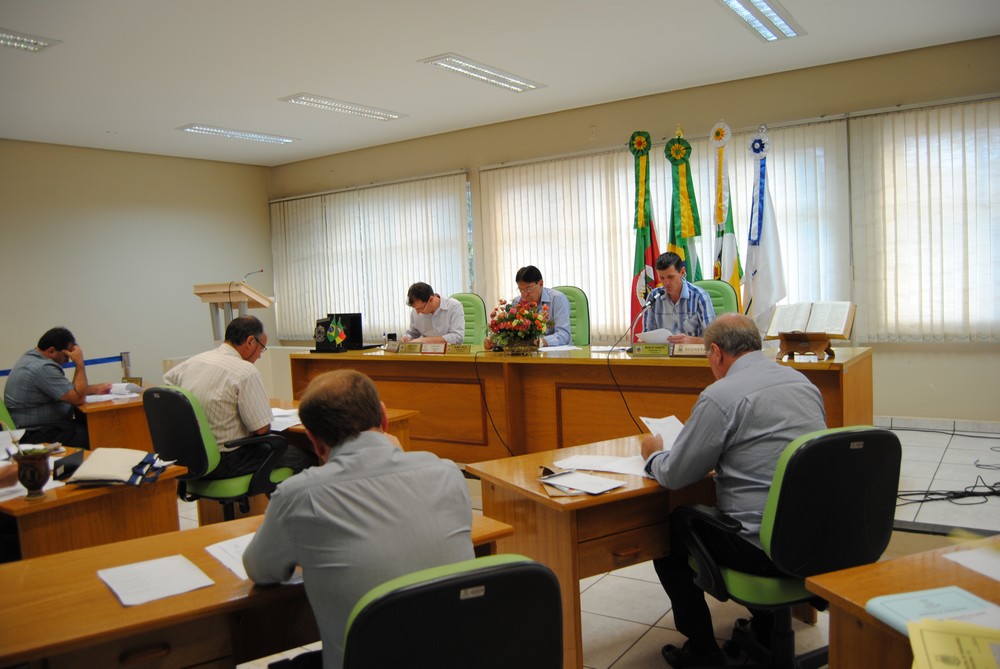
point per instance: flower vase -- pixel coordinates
(33, 471)
(521, 346)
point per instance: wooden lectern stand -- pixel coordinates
(223, 296)
(814, 343)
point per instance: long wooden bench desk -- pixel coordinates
(58, 614)
(472, 405)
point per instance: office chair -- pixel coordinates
(475, 317)
(830, 507)
(724, 298)
(5, 417)
(180, 432)
(493, 612)
(579, 314)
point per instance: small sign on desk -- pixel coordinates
(459, 349)
(410, 348)
(689, 350)
(433, 349)
(643, 350)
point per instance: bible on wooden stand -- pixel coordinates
(806, 328)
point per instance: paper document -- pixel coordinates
(585, 482)
(605, 463)
(946, 644)
(985, 560)
(147, 581)
(8, 437)
(230, 553)
(282, 419)
(660, 336)
(948, 603)
(564, 347)
(606, 349)
(667, 427)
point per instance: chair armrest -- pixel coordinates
(708, 576)
(276, 445)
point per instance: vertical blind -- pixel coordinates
(359, 250)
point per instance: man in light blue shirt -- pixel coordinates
(434, 319)
(531, 289)
(679, 306)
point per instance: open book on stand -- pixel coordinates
(834, 319)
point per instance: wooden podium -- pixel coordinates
(224, 296)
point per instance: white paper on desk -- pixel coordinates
(606, 349)
(230, 553)
(633, 464)
(667, 427)
(142, 582)
(985, 560)
(111, 396)
(282, 419)
(564, 347)
(588, 483)
(18, 490)
(658, 336)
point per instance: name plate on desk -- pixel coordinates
(391, 346)
(459, 349)
(433, 349)
(642, 350)
(410, 348)
(689, 350)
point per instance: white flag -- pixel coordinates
(764, 277)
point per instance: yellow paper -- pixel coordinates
(949, 644)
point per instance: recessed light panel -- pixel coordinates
(319, 102)
(203, 129)
(24, 41)
(767, 19)
(484, 73)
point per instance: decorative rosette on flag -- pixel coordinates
(685, 224)
(727, 256)
(764, 280)
(646, 250)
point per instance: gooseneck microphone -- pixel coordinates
(256, 271)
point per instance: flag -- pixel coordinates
(685, 224)
(764, 279)
(643, 275)
(335, 334)
(727, 254)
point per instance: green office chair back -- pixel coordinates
(5, 417)
(475, 317)
(492, 612)
(724, 297)
(180, 431)
(579, 314)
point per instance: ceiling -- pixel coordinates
(128, 73)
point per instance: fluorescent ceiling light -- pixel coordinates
(769, 20)
(24, 41)
(484, 73)
(319, 102)
(235, 134)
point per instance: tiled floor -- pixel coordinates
(627, 617)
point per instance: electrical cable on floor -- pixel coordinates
(978, 493)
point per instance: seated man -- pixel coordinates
(434, 320)
(679, 306)
(739, 427)
(531, 289)
(41, 399)
(370, 513)
(231, 391)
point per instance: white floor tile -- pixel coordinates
(645, 653)
(907, 512)
(977, 426)
(917, 469)
(923, 423)
(606, 639)
(982, 444)
(724, 616)
(981, 516)
(913, 453)
(643, 571)
(916, 438)
(627, 599)
(964, 471)
(585, 583)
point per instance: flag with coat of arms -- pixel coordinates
(646, 251)
(764, 278)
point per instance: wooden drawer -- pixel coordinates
(604, 520)
(196, 643)
(623, 549)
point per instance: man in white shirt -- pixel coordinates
(231, 392)
(434, 319)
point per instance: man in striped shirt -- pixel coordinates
(231, 391)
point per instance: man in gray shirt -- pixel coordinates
(738, 428)
(434, 319)
(371, 513)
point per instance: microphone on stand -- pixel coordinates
(654, 296)
(256, 271)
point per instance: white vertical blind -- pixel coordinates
(926, 186)
(360, 250)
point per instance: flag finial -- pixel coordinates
(762, 128)
(680, 131)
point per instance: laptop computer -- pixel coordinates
(341, 332)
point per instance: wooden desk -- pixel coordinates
(118, 423)
(586, 535)
(72, 516)
(858, 638)
(55, 608)
(471, 405)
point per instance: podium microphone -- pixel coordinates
(256, 271)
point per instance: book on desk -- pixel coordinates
(948, 603)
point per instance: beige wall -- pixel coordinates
(956, 381)
(109, 244)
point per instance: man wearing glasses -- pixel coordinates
(531, 289)
(231, 391)
(434, 319)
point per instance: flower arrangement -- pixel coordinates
(518, 322)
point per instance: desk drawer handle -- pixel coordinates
(144, 655)
(627, 553)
